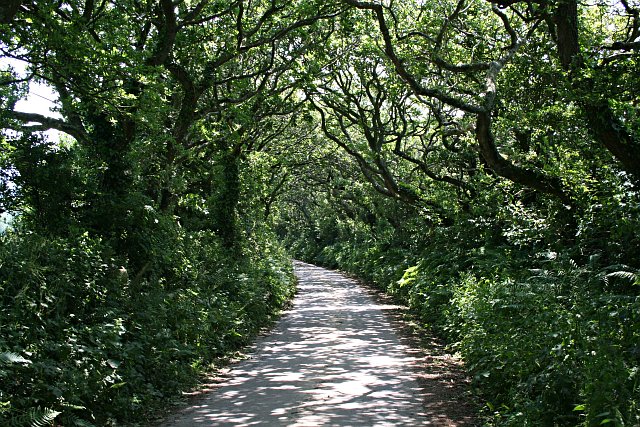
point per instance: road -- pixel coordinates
(334, 359)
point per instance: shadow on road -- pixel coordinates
(334, 359)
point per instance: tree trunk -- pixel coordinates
(110, 144)
(225, 208)
(8, 10)
(603, 124)
(609, 131)
(566, 18)
(504, 168)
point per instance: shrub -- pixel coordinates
(85, 341)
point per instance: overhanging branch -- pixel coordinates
(44, 124)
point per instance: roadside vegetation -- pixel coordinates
(477, 183)
(478, 160)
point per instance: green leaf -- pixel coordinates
(626, 275)
(7, 358)
(36, 417)
(118, 385)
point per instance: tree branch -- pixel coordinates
(46, 123)
(400, 68)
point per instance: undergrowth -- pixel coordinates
(549, 332)
(86, 341)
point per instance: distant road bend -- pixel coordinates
(334, 359)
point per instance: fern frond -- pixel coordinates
(36, 417)
(70, 419)
(626, 275)
(8, 358)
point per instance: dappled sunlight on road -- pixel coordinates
(333, 359)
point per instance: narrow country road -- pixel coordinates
(334, 359)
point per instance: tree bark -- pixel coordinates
(603, 124)
(8, 10)
(504, 168)
(566, 18)
(610, 132)
(225, 206)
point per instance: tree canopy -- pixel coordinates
(476, 158)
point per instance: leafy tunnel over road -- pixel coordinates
(333, 359)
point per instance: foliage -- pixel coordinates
(477, 159)
(84, 338)
(549, 338)
(139, 251)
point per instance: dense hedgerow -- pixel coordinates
(86, 341)
(549, 338)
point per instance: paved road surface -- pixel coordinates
(334, 359)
